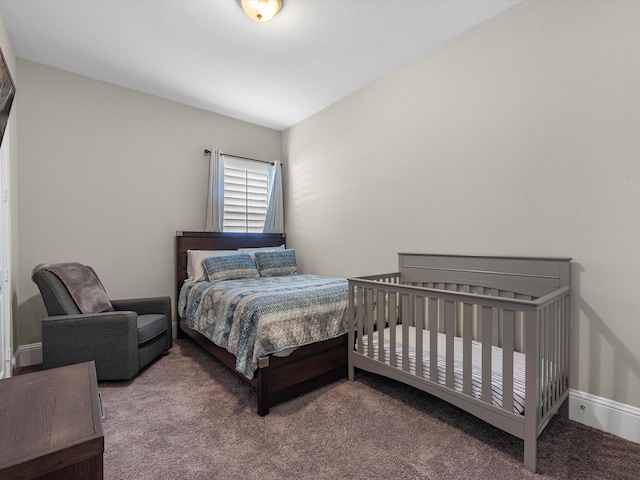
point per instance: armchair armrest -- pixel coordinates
(108, 338)
(151, 305)
(144, 306)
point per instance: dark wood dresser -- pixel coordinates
(51, 425)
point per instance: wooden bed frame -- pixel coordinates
(277, 379)
(517, 304)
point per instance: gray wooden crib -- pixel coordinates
(497, 328)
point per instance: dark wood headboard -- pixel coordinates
(217, 241)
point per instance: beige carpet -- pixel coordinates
(188, 417)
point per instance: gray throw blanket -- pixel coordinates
(83, 285)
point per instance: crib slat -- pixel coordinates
(559, 355)
(560, 352)
(407, 317)
(433, 338)
(467, 332)
(369, 324)
(487, 324)
(566, 343)
(556, 352)
(508, 320)
(548, 379)
(380, 322)
(561, 340)
(553, 355)
(359, 293)
(392, 328)
(450, 322)
(518, 332)
(477, 329)
(541, 358)
(418, 304)
(547, 358)
(540, 354)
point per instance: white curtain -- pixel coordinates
(274, 218)
(215, 197)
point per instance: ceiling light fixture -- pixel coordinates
(261, 10)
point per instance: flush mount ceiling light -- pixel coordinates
(261, 10)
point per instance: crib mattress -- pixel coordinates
(476, 367)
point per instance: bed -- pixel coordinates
(489, 335)
(277, 376)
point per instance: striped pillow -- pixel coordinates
(276, 262)
(230, 267)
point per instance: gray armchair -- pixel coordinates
(121, 341)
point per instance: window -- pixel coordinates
(246, 189)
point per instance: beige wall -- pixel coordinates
(107, 176)
(519, 137)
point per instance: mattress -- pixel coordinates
(476, 368)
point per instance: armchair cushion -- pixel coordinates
(150, 326)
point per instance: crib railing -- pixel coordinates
(552, 323)
(537, 327)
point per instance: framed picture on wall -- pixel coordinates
(7, 92)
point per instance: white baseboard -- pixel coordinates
(27, 355)
(604, 414)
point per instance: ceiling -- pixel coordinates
(208, 54)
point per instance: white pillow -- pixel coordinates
(195, 269)
(252, 251)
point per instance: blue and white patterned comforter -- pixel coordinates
(252, 317)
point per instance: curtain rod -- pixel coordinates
(208, 152)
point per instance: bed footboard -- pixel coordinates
(487, 334)
(279, 379)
